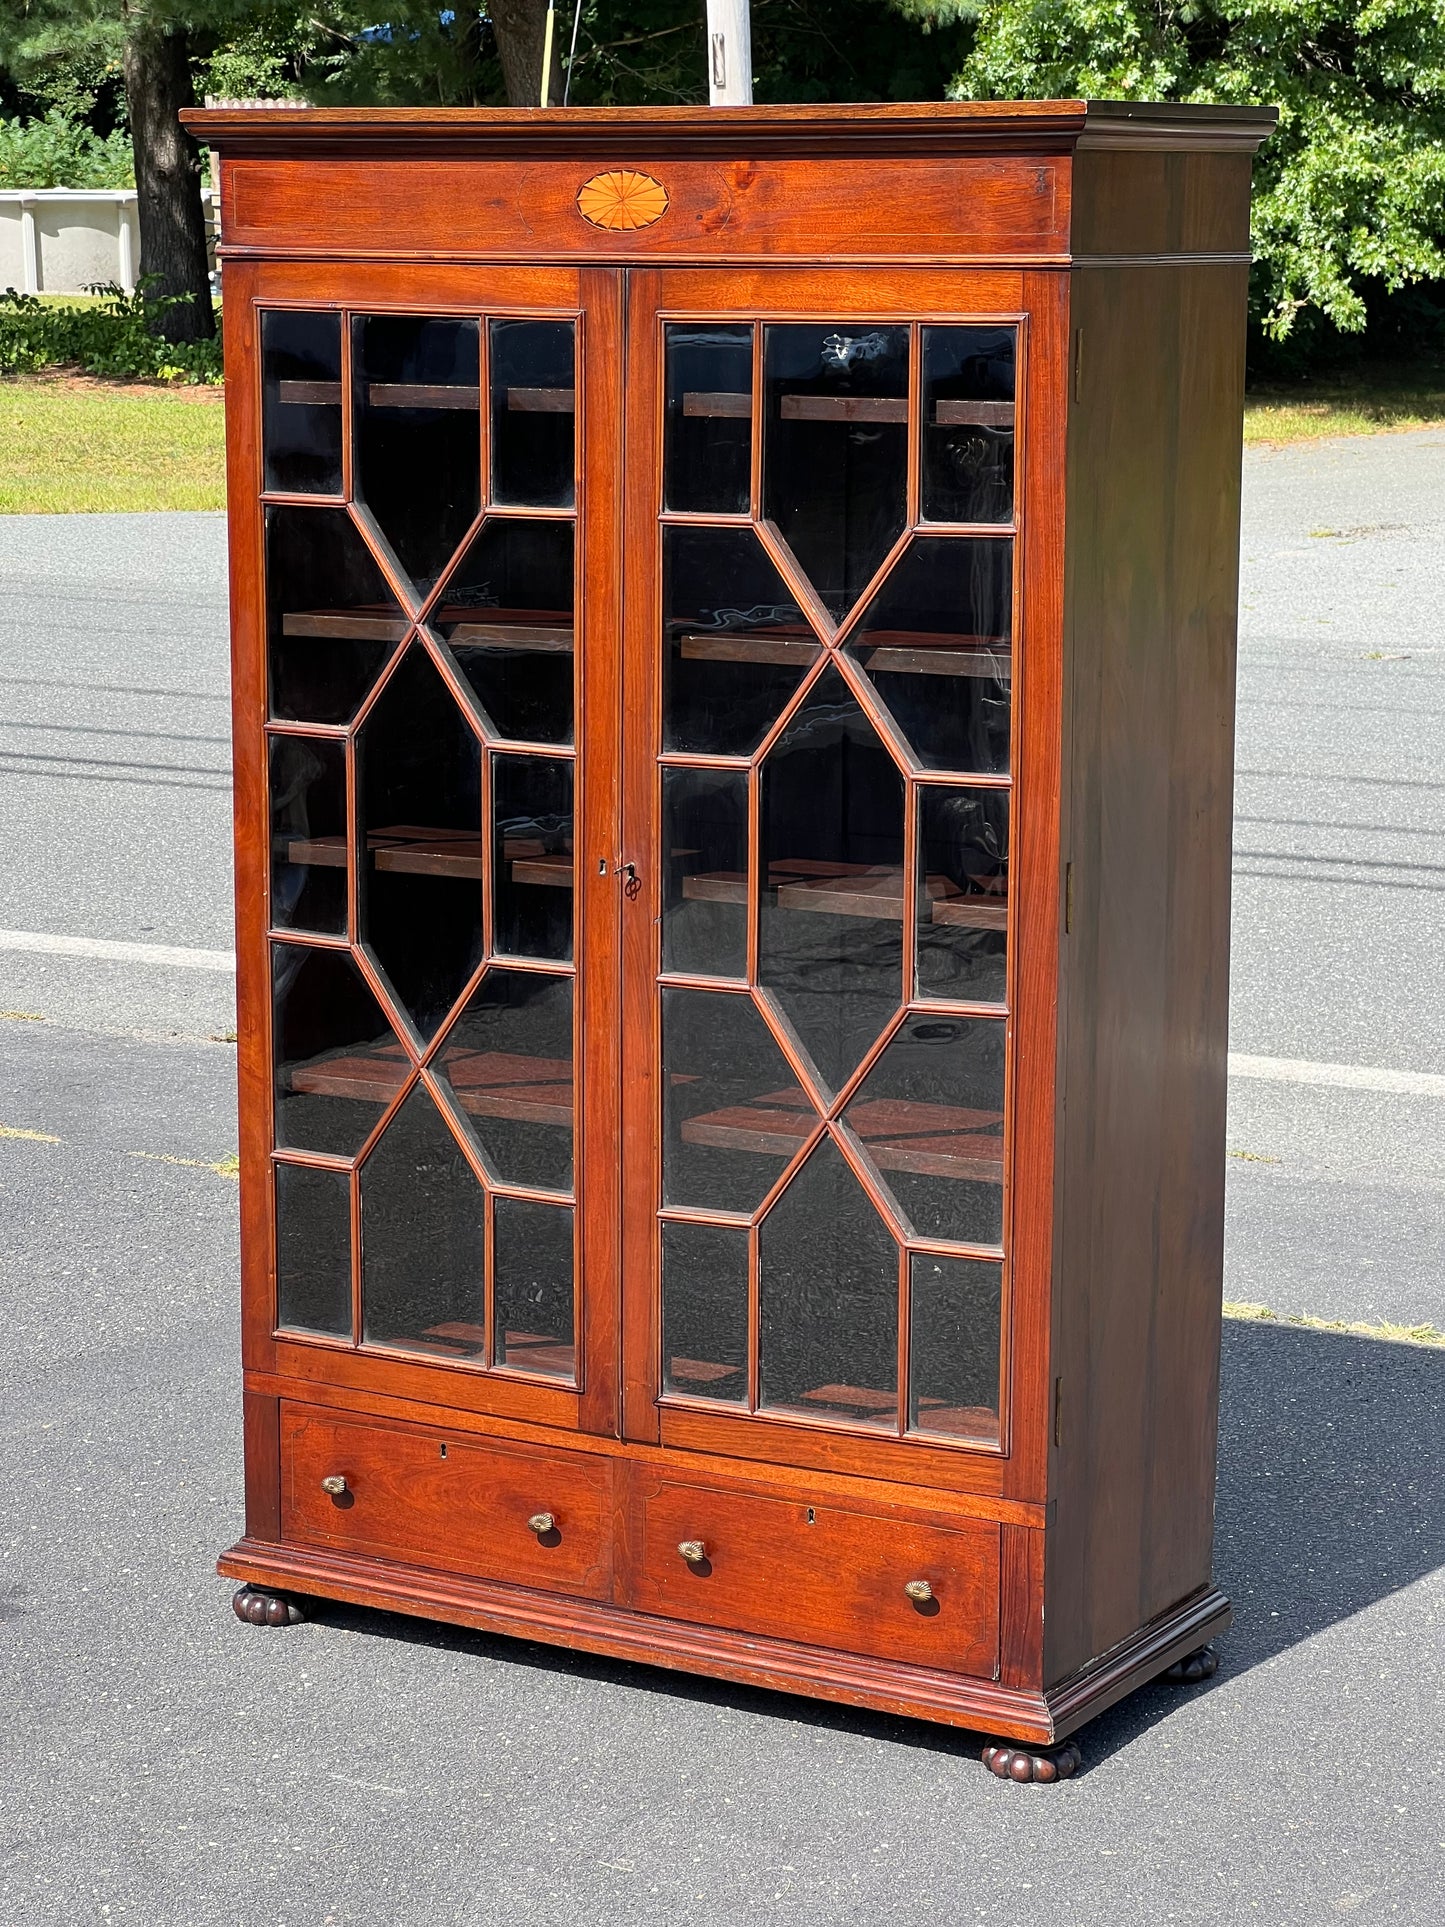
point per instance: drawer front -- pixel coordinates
(820, 1574)
(447, 1500)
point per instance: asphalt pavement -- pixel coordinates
(166, 1766)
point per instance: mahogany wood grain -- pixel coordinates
(443, 1500)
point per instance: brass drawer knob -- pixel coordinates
(919, 1591)
(693, 1550)
(334, 1484)
(541, 1522)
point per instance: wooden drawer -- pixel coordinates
(452, 1501)
(818, 1573)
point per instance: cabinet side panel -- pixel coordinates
(1152, 584)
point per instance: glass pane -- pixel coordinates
(507, 614)
(301, 377)
(737, 644)
(419, 803)
(930, 1116)
(507, 1062)
(831, 941)
(532, 863)
(935, 643)
(534, 402)
(705, 885)
(705, 1311)
(423, 1235)
(418, 454)
(338, 1061)
(963, 838)
(954, 1346)
(308, 834)
(532, 1282)
(331, 621)
(733, 1112)
(835, 451)
(968, 424)
(709, 461)
(313, 1249)
(829, 1298)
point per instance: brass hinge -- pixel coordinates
(1068, 899)
(1058, 1411)
(1078, 363)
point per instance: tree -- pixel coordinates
(1350, 191)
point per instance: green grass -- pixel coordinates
(1354, 1327)
(1354, 405)
(71, 444)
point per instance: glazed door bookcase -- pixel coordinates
(437, 727)
(821, 621)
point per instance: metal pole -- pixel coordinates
(729, 53)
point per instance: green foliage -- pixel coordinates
(57, 151)
(1350, 191)
(117, 337)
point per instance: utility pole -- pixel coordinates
(729, 53)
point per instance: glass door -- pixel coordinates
(430, 723)
(821, 637)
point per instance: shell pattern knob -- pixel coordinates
(334, 1483)
(693, 1551)
(919, 1591)
(541, 1522)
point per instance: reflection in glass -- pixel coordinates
(968, 424)
(338, 1063)
(313, 1249)
(533, 857)
(533, 413)
(930, 1117)
(705, 880)
(963, 849)
(835, 450)
(732, 1111)
(418, 435)
(707, 466)
(935, 643)
(423, 1237)
(419, 803)
(331, 621)
(737, 644)
(506, 612)
(954, 1346)
(507, 1063)
(705, 1311)
(829, 1299)
(308, 834)
(532, 1287)
(301, 383)
(831, 937)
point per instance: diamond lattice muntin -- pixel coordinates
(842, 675)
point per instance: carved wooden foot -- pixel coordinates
(1195, 1666)
(259, 1608)
(1032, 1763)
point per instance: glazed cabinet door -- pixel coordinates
(821, 601)
(427, 728)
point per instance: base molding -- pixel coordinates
(617, 1632)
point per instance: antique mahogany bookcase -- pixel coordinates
(734, 620)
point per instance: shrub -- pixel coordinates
(117, 338)
(60, 152)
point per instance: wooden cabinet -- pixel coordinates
(734, 621)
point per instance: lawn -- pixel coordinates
(1356, 405)
(72, 443)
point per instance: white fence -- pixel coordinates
(59, 240)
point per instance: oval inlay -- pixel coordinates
(622, 199)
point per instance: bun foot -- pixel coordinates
(259, 1608)
(1032, 1764)
(1195, 1666)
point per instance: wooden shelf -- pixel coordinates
(850, 408)
(852, 890)
(524, 1090)
(413, 850)
(544, 632)
(423, 394)
(927, 1140)
(896, 652)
